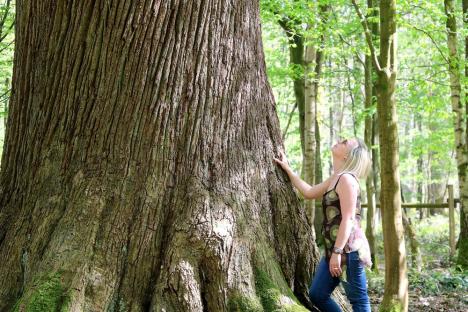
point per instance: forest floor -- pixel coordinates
(441, 302)
(440, 285)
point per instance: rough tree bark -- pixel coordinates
(137, 172)
(396, 280)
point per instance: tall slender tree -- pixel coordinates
(137, 172)
(313, 63)
(396, 280)
(459, 123)
(369, 134)
(463, 238)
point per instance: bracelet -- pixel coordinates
(338, 250)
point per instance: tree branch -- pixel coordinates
(350, 45)
(433, 41)
(8, 31)
(5, 15)
(7, 46)
(368, 35)
(289, 121)
(293, 36)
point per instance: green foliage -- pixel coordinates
(47, 294)
(433, 234)
(7, 38)
(376, 282)
(422, 88)
(438, 275)
(433, 282)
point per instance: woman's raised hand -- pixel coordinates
(282, 161)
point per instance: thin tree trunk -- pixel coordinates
(463, 238)
(396, 280)
(351, 93)
(318, 217)
(375, 31)
(420, 170)
(291, 114)
(376, 158)
(296, 59)
(137, 172)
(318, 158)
(310, 98)
(416, 260)
(313, 62)
(369, 88)
(341, 109)
(370, 189)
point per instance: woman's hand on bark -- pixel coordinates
(282, 161)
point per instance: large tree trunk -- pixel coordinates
(463, 238)
(137, 172)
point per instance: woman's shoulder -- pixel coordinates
(350, 179)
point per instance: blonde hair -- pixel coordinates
(358, 161)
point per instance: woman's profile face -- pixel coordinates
(342, 147)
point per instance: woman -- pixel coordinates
(346, 247)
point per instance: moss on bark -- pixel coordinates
(272, 297)
(392, 306)
(46, 294)
(240, 303)
(272, 292)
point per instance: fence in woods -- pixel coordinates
(450, 204)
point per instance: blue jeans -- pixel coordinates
(323, 285)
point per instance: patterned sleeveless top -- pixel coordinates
(331, 223)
